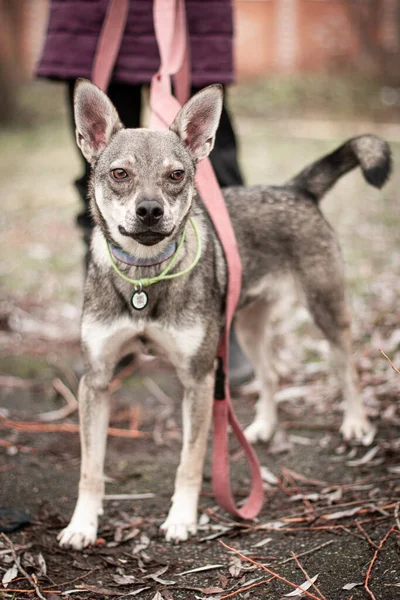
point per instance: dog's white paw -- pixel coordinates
(259, 431)
(78, 535)
(358, 427)
(178, 532)
(181, 522)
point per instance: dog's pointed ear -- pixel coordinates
(95, 117)
(197, 121)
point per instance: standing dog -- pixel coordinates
(147, 214)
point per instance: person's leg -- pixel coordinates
(127, 100)
(226, 167)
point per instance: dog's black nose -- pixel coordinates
(149, 212)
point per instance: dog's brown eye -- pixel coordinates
(119, 174)
(176, 175)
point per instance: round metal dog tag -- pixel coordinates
(139, 300)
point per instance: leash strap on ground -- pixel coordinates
(171, 33)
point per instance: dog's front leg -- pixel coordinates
(94, 400)
(197, 410)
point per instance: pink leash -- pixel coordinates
(171, 33)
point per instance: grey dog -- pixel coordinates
(147, 212)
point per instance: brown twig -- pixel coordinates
(293, 585)
(365, 534)
(20, 567)
(371, 564)
(305, 501)
(37, 427)
(244, 589)
(389, 361)
(72, 580)
(311, 551)
(307, 576)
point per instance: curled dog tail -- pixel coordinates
(366, 151)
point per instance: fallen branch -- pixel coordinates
(37, 427)
(293, 585)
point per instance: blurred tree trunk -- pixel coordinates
(381, 54)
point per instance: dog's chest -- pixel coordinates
(176, 342)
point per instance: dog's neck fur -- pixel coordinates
(129, 259)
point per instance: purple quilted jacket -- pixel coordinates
(74, 27)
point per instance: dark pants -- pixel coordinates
(127, 100)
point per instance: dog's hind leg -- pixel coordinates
(102, 345)
(328, 305)
(252, 327)
(196, 415)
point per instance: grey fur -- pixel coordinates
(281, 235)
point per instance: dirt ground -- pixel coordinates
(330, 509)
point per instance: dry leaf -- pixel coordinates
(268, 476)
(212, 590)
(235, 568)
(262, 543)
(9, 575)
(42, 564)
(220, 530)
(223, 580)
(299, 592)
(314, 497)
(124, 579)
(157, 596)
(340, 514)
(136, 592)
(96, 590)
(350, 586)
(291, 393)
(273, 525)
(365, 459)
(204, 519)
(143, 543)
(156, 576)
(205, 568)
(395, 470)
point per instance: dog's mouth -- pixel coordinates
(146, 238)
